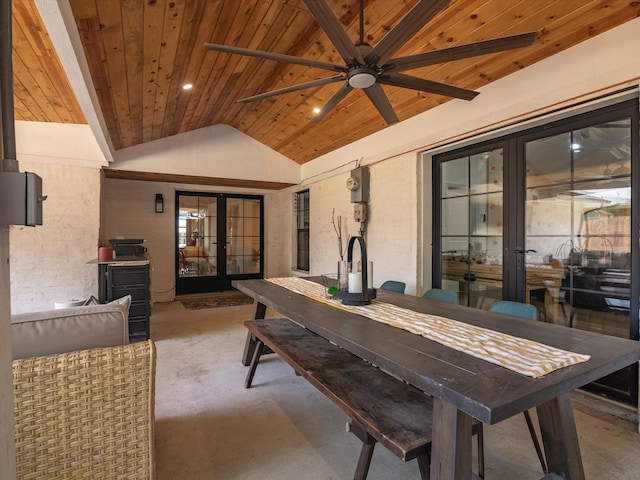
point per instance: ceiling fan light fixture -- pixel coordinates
(361, 78)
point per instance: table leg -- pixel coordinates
(451, 444)
(560, 438)
(254, 363)
(259, 311)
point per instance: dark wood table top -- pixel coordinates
(481, 389)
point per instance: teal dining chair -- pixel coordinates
(393, 286)
(517, 309)
(448, 296)
(529, 312)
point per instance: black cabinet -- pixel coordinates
(119, 279)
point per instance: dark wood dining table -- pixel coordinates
(463, 387)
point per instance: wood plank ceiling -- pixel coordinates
(141, 53)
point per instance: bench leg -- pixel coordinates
(254, 363)
(259, 311)
(362, 469)
(368, 444)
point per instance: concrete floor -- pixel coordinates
(208, 426)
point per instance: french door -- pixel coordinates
(548, 216)
(219, 238)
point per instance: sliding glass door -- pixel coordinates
(548, 217)
(219, 238)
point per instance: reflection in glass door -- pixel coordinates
(578, 228)
(219, 238)
(471, 227)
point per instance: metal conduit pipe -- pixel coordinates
(7, 120)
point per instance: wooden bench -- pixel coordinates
(381, 408)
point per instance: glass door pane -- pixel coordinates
(471, 227)
(243, 236)
(197, 236)
(578, 235)
(578, 222)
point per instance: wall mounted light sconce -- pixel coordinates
(159, 203)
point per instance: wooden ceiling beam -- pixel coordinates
(194, 180)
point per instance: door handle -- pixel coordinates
(517, 250)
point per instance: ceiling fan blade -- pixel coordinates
(332, 102)
(415, 83)
(334, 30)
(381, 102)
(278, 57)
(406, 28)
(463, 51)
(294, 88)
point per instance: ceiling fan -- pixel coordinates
(369, 67)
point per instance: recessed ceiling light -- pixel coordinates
(187, 86)
(316, 110)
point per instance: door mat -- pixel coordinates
(231, 298)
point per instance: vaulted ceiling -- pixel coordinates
(140, 53)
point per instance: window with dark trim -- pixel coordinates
(302, 230)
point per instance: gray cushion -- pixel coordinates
(67, 329)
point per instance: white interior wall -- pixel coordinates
(215, 151)
(49, 262)
(128, 211)
(58, 143)
(278, 230)
(392, 236)
(325, 198)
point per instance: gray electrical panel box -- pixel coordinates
(358, 183)
(20, 199)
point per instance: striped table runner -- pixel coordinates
(517, 354)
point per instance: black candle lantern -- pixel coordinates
(159, 203)
(367, 292)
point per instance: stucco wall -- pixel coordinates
(49, 262)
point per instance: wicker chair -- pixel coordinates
(86, 414)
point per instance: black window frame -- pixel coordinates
(302, 229)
